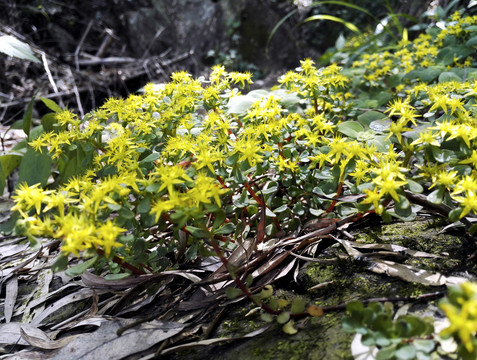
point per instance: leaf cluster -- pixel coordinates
(404, 337)
(391, 335)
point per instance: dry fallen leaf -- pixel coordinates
(46, 344)
(412, 274)
(314, 310)
(10, 297)
(10, 334)
(104, 343)
(53, 309)
(99, 282)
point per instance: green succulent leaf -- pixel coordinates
(81, 268)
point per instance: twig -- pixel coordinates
(422, 200)
(49, 96)
(214, 322)
(442, 209)
(178, 58)
(113, 60)
(3, 114)
(158, 33)
(240, 284)
(91, 94)
(106, 43)
(50, 77)
(75, 90)
(436, 294)
(80, 44)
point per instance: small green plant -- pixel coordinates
(390, 336)
(406, 337)
(275, 308)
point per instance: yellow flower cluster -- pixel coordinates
(109, 181)
(170, 155)
(422, 52)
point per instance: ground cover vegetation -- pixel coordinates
(198, 167)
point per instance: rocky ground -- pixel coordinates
(409, 264)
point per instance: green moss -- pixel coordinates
(241, 319)
(322, 337)
(318, 338)
(421, 235)
(350, 278)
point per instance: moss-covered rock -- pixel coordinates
(343, 279)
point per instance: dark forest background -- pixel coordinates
(95, 49)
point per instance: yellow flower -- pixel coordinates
(218, 73)
(461, 309)
(67, 117)
(361, 171)
(469, 202)
(27, 197)
(426, 137)
(444, 177)
(77, 233)
(241, 78)
(319, 159)
(472, 160)
(373, 197)
(208, 157)
(403, 109)
(205, 188)
(337, 147)
(284, 164)
(465, 132)
(106, 236)
(162, 206)
(170, 176)
(308, 66)
(467, 184)
(389, 186)
(59, 199)
(397, 128)
(249, 148)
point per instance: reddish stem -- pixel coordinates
(240, 283)
(260, 202)
(221, 181)
(277, 224)
(338, 193)
(223, 238)
(253, 193)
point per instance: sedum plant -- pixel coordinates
(194, 167)
(181, 161)
(189, 163)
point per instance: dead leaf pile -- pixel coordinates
(53, 316)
